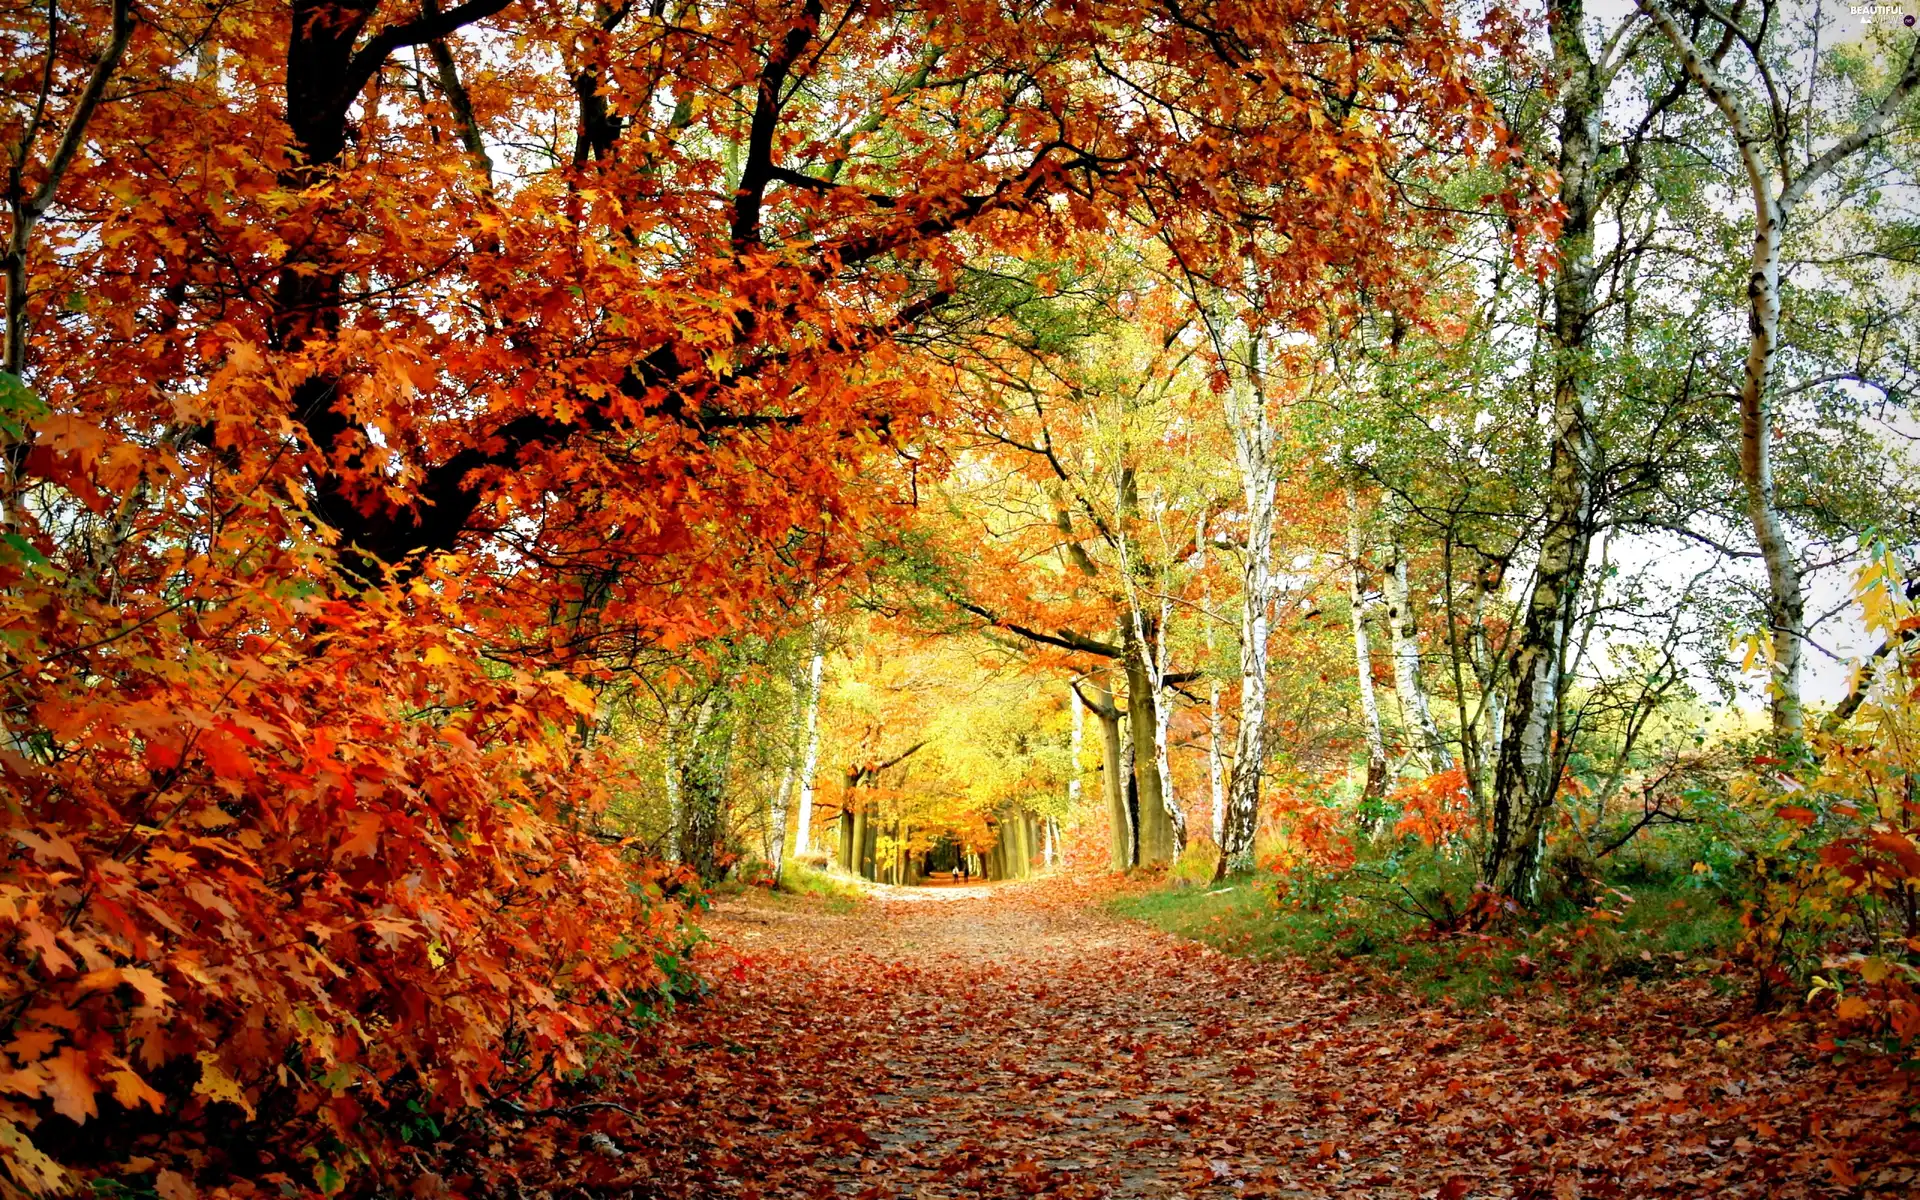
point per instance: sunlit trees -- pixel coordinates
(1790, 150)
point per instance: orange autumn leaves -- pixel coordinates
(263, 883)
(399, 385)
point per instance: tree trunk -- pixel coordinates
(1259, 481)
(1216, 761)
(811, 761)
(1158, 840)
(1404, 631)
(776, 847)
(1077, 741)
(1156, 830)
(1162, 720)
(1786, 608)
(1786, 611)
(670, 781)
(1527, 774)
(1376, 785)
(703, 783)
(1113, 772)
(29, 206)
(777, 835)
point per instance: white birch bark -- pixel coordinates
(1162, 716)
(1404, 631)
(1130, 791)
(705, 766)
(810, 762)
(1216, 760)
(777, 834)
(1246, 412)
(1363, 651)
(670, 777)
(1486, 670)
(1526, 776)
(777, 819)
(1153, 847)
(1078, 738)
(1772, 209)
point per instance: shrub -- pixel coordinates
(1197, 863)
(1836, 863)
(266, 896)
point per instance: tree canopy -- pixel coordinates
(475, 477)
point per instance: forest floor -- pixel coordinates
(1016, 1040)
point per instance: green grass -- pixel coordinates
(1662, 930)
(837, 893)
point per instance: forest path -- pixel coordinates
(1015, 1040)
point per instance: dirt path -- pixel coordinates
(1014, 1041)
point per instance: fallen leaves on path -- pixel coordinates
(1017, 1042)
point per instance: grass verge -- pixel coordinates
(837, 893)
(1644, 932)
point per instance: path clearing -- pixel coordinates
(1013, 1040)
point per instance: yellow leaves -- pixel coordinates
(129, 1091)
(1879, 592)
(172, 1185)
(215, 1084)
(29, 1165)
(1875, 970)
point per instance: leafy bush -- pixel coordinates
(1196, 865)
(1836, 864)
(801, 878)
(267, 894)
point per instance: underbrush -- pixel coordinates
(839, 893)
(1405, 930)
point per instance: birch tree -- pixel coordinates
(1526, 776)
(704, 767)
(1376, 784)
(1216, 760)
(1778, 179)
(1404, 632)
(810, 760)
(1248, 421)
(1098, 700)
(1149, 700)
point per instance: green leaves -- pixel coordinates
(19, 407)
